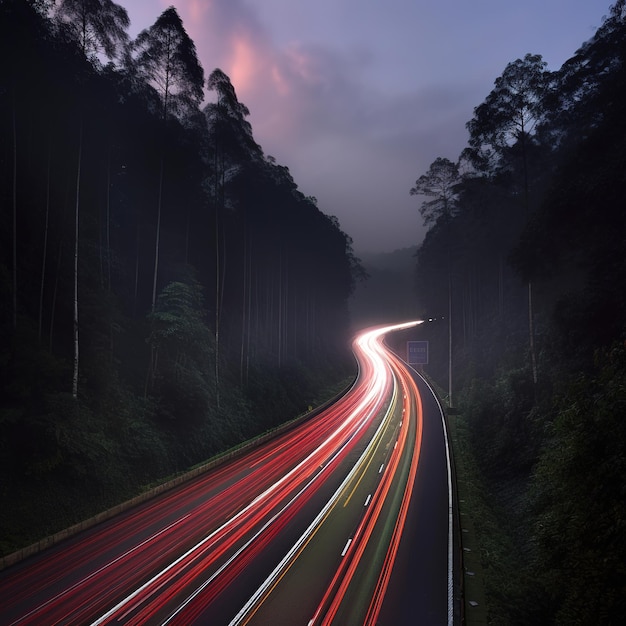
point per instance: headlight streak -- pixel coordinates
(193, 541)
(383, 579)
(361, 414)
(274, 518)
(355, 546)
(244, 614)
(261, 499)
(87, 598)
(331, 602)
(98, 571)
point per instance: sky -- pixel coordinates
(358, 97)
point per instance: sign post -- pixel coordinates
(417, 352)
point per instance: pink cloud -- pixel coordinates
(288, 90)
(358, 103)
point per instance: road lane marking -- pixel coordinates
(375, 442)
(361, 414)
(346, 547)
(248, 610)
(99, 570)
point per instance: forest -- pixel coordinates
(525, 258)
(166, 291)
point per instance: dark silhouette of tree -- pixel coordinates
(22, 17)
(440, 183)
(166, 57)
(97, 25)
(227, 116)
(503, 125)
(97, 145)
(579, 227)
(42, 7)
(509, 114)
(232, 145)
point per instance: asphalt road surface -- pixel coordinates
(344, 519)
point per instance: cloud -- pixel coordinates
(357, 147)
(358, 100)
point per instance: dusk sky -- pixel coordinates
(359, 97)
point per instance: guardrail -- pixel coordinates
(231, 453)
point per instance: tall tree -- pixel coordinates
(233, 145)
(441, 183)
(583, 98)
(99, 26)
(18, 20)
(502, 127)
(166, 57)
(509, 115)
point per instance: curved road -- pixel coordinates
(345, 519)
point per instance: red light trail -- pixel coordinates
(225, 546)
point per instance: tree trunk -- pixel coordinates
(280, 309)
(45, 245)
(249, 315)
(108, 219)
(158, 234)
(14, 214)
(76, 216)
(244, 311)
(531, 333)
(136, 290)
(449, 339)
(500, 287)
(217, 304)
(218, 163)
(108, 245)
(153, 356)
(55, 291)
(531, 326)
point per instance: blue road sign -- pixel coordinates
(417, 352)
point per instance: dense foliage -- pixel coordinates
(527, 248)
(165, 288)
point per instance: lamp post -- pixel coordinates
(449, 339)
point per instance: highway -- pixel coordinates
(345, 519)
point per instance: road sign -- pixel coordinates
(417, 352)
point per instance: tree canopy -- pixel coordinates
(540, 201)
(440, 183)
(165, 57)
(97, 25)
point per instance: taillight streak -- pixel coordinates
(309, 532)
(323, 455)
(383, 579)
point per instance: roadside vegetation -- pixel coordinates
(526, 250)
